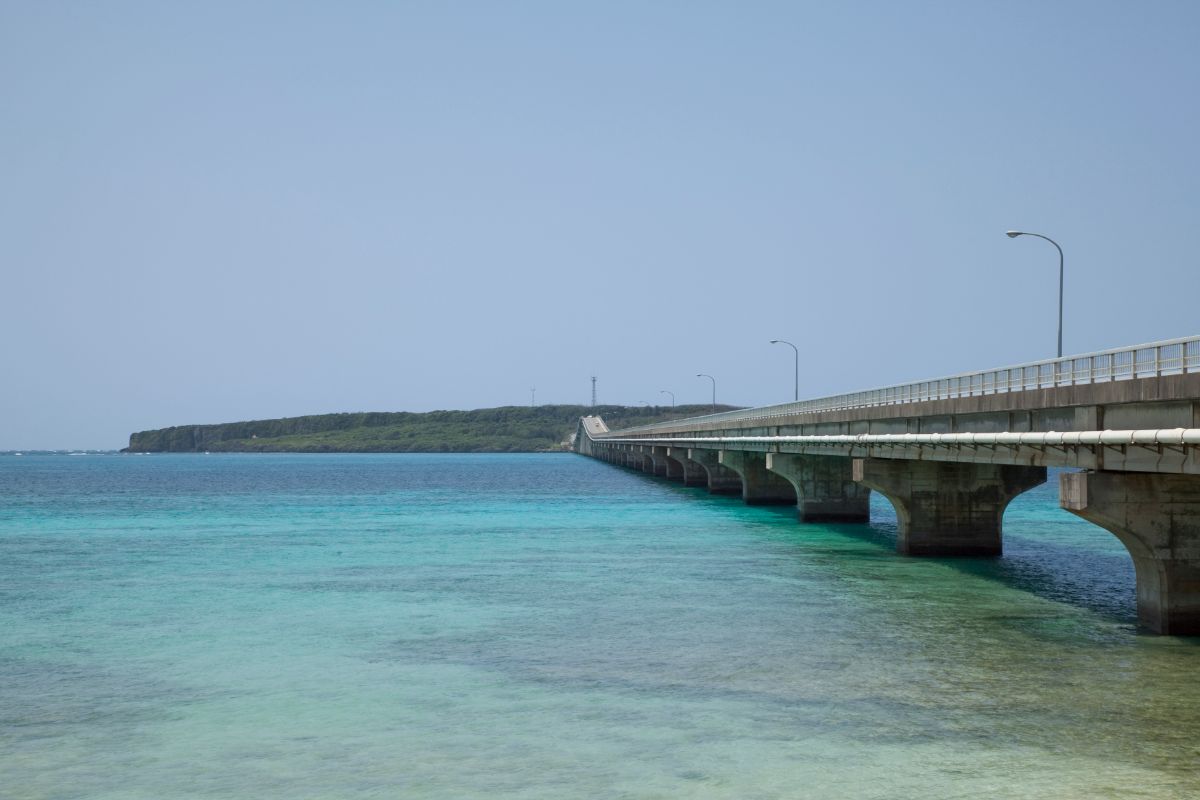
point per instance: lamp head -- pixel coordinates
(1014, 234)
(774, 341)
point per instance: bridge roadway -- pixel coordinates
(951, 453)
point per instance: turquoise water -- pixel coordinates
(548, 626)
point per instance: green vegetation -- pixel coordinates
(510, 429)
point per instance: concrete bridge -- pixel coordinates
(951, 453)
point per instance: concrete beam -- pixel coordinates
(947, 509)
(1157, 518)
(825, 487)
(760, 486)
(721, 480)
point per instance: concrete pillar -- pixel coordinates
(825, 487)
(721, 480)
(672, 469)
(947, 508)
(760, 486)
(1157, 518)
(694, 473)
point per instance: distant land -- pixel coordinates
(509, 429)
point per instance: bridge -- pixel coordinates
(951, 453)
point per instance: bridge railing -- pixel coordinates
(1171, 357)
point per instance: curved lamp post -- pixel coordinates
(665, 391)
(714, 382)
(789, 344)
(1015, 234)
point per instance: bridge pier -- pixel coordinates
(1157, 517)
(670, 467)
(760, 486)
(658, 463)
(947, 508)
(825, 487)
(694, 473)
(721, 480)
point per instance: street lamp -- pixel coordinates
(789, 344)
(714, 383)
(1015, 234)
(665, 391)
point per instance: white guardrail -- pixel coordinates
(1172, 357)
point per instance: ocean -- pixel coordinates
(550, 626)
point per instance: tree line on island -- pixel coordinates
(509, 429)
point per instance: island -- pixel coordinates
(508, 429)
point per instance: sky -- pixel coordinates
(223, 211)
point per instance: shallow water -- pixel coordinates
(548, 626)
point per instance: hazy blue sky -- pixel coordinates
(221, 211)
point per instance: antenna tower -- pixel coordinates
(593, 391)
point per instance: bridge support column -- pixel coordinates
(721, 480)
(672, 469)
(825, 487)
(1157, 518)
(760, 486)
(694, 473)
(947, 508)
